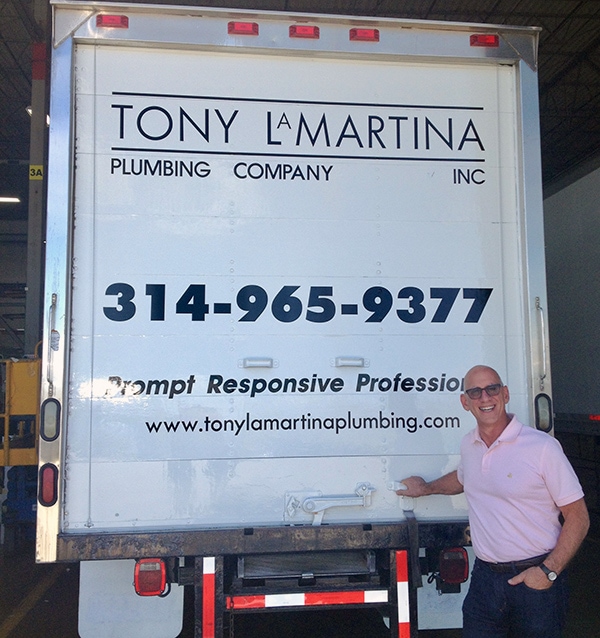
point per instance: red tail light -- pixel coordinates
(454, 565)
(48, 485)
(150, 577)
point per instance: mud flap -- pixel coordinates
(110, 608)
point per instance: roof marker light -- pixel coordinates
(112, 21)
(242, 28)
(304, 31)
(364, 35)
(150, 577)
(485, 40)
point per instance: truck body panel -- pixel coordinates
(270, 263)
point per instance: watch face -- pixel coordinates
(552, 576)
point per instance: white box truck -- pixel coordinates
(275, 244)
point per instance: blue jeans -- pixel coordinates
(493, 608)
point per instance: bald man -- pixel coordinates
(517, 482)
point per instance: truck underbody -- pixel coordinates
(266, 569)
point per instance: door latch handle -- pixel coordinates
(317, 505)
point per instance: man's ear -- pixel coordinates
(464, 402)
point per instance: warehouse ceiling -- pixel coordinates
(569, 70)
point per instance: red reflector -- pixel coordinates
(150, 577)
(364, 35)
(594, 417)
(39, 61)
(304, 31)
(454, 565)
(112, 21)
(48, 485)
(242, 28)
(485, 40)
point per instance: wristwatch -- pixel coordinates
(552, 576)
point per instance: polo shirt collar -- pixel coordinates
(509, 434)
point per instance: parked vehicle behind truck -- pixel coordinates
(276, 242)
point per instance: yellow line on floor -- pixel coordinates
(30, 601)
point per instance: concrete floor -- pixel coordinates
(40, 601)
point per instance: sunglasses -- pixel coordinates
(491, 390)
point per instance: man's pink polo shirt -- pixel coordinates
(514, 490)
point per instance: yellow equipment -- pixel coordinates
(19, 411)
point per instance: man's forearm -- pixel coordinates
(574, 530)
(416, 486)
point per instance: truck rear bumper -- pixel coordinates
(256, 540)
